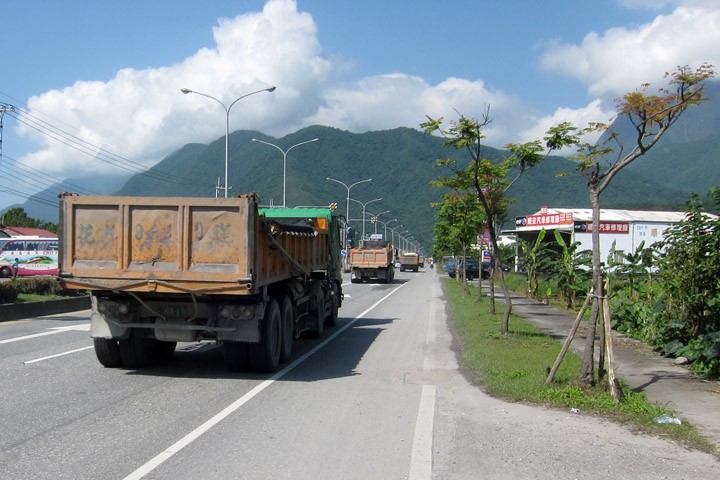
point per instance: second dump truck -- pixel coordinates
(372, 261)
(163, 270)
(409, 261)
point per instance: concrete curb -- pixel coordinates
(16, 311)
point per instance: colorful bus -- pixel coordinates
(29, 255)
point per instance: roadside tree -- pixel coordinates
(489, 179)
(651, 117)
(458, 219)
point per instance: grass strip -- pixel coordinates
(514, 367)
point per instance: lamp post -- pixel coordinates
(347, 208)
(402, 239)
(388, 223)
(284, 153)
(409, 242)
(376, 218)
(392, 232)
(365, 204)
(227, 121)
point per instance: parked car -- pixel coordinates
(472, 268)
(450, 267)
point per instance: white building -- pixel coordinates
(627, 229)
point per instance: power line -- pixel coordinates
(95, 151)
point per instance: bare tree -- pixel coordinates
(651, 116)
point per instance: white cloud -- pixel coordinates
(595, 111)
(144, 110)
(388, 101)
(621, 59)
(141, 114)
(660, 4)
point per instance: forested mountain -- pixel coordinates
(400, 162)
(687, 157)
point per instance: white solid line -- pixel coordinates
(159, 459)
(50, 331)
(57, 355)
(421, 458)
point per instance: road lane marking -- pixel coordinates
(51, 331)
(421, 457)
(166, 454)
(57, 355)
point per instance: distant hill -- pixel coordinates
(400, 162)
(687, 157)
(44, 205)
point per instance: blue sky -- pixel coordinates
(108, 74)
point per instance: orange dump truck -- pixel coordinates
(372, 261)
(163, 270)
(409, 261)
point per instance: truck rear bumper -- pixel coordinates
(114, 317)
(369, 273)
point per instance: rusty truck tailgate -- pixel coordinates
(369, 258)
(173, 238)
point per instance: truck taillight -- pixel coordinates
(237, 312)
(113, 308)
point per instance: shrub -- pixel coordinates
(37, 286)
(8, 292)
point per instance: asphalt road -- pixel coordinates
(380, 396)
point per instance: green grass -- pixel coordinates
(514, 366)
(33, 297)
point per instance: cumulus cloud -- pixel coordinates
(595, 111)
(621, 59)
(144, 110)
(141, 114)
(388, 101)
(660, 4)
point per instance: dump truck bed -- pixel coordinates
(183, 244)
(370, 258)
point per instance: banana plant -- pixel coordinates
(572, 269)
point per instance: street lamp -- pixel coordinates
(392, 232)
(284, 153)
(365, 204)
(227, 122)
(376, 218)
(385, 224)
(401, 239)
(347, 208)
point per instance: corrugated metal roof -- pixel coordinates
(20, 231)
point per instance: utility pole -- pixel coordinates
(4, 107)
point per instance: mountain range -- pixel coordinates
(400, 163)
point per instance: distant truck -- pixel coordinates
(373, 260)
(409, 261)
(177, 269)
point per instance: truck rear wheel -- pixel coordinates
(136, 351)
(237, 358)
(317, 310)
(287, 316)
(107, 352)
(265, 355)
(331, 319)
